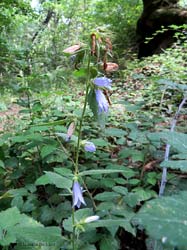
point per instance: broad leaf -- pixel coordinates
(165, 219)
(47, 149)
(133, 199)
(124, 223)
(177, 140)
(172, 85)
(100, 142)
(101, 171)
(56, 179)
(116, 132)
(16, 227)
(109, 243)
(106, 196)
(180, 164)
(42, 235)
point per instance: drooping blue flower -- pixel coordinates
(89, 146)
(77, 195)
(103, 82)
(101, 101)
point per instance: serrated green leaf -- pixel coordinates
(100, 142)
(113, 224)
(109, 223)
(106, 196)
(19, 138)
(182, 156)
(115, 132)
(46, 150)
(180, 164)
(17, 201)
(120, 181)
(45, 235)
(7, 237)
(64, 172)
(120, 190)
(108, 182)
(18, 192)
(28, 206)
(125, 171)
(121, 141)
(46, 214)
(31, 231)
(43, 180)
(165, 219)
(133, 181)
(56, 179)
(172, 85)
(105, 206)
(20, 227)
(133, 199)
(101, 171)
(109, 243)
(177, 140)
(39, 128)
(135, 154)
(138, 136)
(9, 218)
(28, 137)
(62, 211)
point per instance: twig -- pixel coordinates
(166, 156)
(64, 150)
(89, 194)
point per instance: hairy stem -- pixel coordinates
(78, 146)
(81, 120)
(73, 223)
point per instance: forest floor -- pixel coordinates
(8, 116)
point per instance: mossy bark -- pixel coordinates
(158, 14)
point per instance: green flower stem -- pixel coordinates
(73, 223)
(78, 147)
(81, 119)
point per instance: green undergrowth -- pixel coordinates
(119, 179)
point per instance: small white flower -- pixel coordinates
(164, 239)
(91, 218)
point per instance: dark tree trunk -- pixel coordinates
(156, 15)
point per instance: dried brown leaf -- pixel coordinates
(72, 49)
(110, 67)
